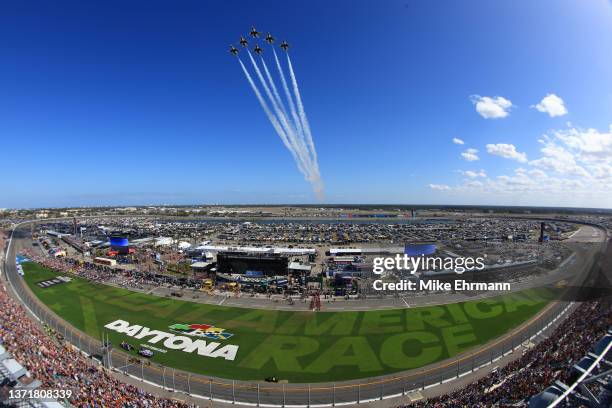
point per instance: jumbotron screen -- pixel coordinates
(118, 242)
(420, 249)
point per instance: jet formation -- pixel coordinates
(286, 115)
(256, 49)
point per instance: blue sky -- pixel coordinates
(139, 102)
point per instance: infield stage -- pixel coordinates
(294, 346)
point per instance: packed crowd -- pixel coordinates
(106, 274)
(60, 366)
(539, 367)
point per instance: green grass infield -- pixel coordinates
(251, 344)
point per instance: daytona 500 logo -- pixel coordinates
(174, 342)
(201, 330)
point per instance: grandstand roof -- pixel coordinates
(14, 369)
(367, 250)
(252, 249)
(3, 353)
(300, 267)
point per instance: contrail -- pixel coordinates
(279, 101)
(303, 118)
(296, 120)
(291, 137)
(318, 183)
(272, 118)
(290, 124)
(312, 154)
(292, 132)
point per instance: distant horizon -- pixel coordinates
(406, 206)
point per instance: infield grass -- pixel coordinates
(296, 346)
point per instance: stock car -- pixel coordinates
(145, 352)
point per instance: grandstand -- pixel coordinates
(539, 377)
(590, 381)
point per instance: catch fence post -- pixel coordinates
(257, 394)
(233, 391)
(102, 352)
(210, 389)
(173, 383)
(334, 394)
(188, 384)
(164, 377)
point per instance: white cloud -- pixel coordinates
(458, 141)
(474, 184)
(574, 151)
(473, 174)
(496, 107)
(507, 151)
(470, 155)
(553, 105)
(439, 187)
(574, 168)
(559, 160)
(514, 180)
(537, 173)
(590, 144)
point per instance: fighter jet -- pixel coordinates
(257, 50)
(284, 45)
(233, 50)
(243, 41)
(254, 33)
(269, 39)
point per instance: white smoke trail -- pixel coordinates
(298, 149)
(277, 97)
(272, 118)
(317, 181)
(304, 119)
(293, 133)
(294, 115)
